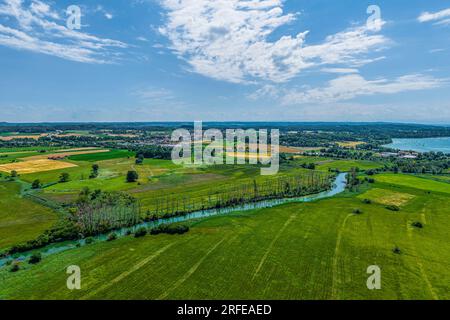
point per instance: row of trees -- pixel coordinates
(281, 187)
(98, 212)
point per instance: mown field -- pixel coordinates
(347, 165)
(21, 219)
(317, 250)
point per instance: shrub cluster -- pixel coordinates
(417, 224)
(170, 229)
(111, 237)
(141, 232)
(35, 258)
(393, 208)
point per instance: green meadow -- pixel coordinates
(414, 181)
(347, 165)
(318, 250)
(21, 219)
(92, 157)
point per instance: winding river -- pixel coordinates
(338, 187)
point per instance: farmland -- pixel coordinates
(21, 219)
(45, 162)
(310, 250)
(298, 251)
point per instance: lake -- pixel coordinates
(421, 145)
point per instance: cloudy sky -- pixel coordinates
(225, 60)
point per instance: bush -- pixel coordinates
(367, 201)
(64, 177)
(139, 161)
(36, 184)
(141, 232)
(170, 229)
(357, 211)
(111, 237)
(35, 258)
(417, 224)
(132, 176)
(89, 240)
(14, 267)
(393, 208)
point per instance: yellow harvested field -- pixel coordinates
(122, 135)
(350, 144)
(38, 165)
(35, 137)
(387, 197)
(68, 135)
(247, 155)
(64, 154)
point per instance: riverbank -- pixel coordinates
(337, 187)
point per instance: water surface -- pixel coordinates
(421, 145)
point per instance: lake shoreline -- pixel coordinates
(422, 145)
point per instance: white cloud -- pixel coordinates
(154, 94)
(229, 40)
(39, 28)
(436, 50)
(267, 91)
(340, 70)
(143, 39)
(351, 86)
(440, 17)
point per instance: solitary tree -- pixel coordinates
(14, 174)
(64, 177)
(36, 184)
(94, 173)
(140, 159)
(132, 176)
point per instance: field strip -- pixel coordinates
(419, 262)
(125, 274)
(61, 155)
(190, 271)
(266, 254)
(335, 258)
(16, 152)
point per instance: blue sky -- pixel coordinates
(225, 60)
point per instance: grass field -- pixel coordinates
(414, 181)
(346, 165)
(315, 250)
(114, 154)
(20, 219)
